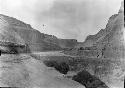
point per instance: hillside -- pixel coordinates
(108, 42)
(13, 30)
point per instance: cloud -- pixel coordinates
(63, 18)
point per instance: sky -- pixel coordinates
(70, 19)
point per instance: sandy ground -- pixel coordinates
(25, 71)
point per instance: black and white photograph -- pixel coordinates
(62, 44)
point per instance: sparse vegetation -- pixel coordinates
(61, 67)
(88, 80)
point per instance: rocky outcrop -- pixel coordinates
(13, 48)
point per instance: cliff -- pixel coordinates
(16, 31)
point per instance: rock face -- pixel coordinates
(10, 41)
(114, 41)
(13, 30)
